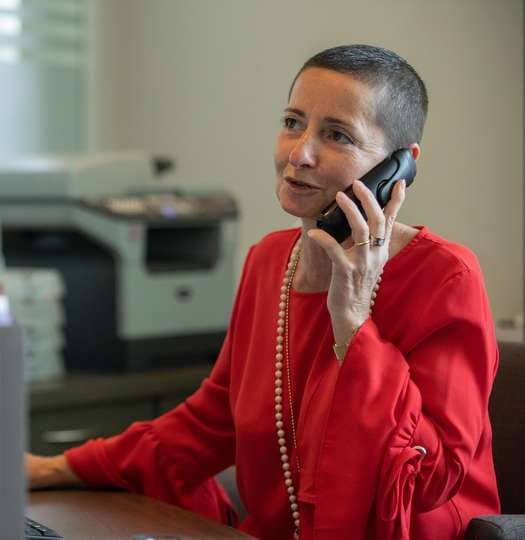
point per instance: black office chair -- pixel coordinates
(507, 413)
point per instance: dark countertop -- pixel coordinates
(81, 389)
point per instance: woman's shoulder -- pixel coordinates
(451, 252)
(276, 244)
(266, 260)
(428, 250)
(274, 247)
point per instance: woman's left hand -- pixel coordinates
(357, 268)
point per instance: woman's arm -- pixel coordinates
(173, 458)
(418, 379)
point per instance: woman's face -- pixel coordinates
(327, 141)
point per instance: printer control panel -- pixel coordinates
(166, 206)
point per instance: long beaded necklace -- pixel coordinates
(282, 346)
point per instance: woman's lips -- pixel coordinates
(299, 185)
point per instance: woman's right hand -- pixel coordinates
(45, 472)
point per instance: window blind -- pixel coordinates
(46, 31)
(43, 74)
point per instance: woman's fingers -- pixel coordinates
(332, 248)
(393, 206)
(378, 223)
(374, 214)
(356, 220)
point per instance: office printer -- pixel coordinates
(148, 268)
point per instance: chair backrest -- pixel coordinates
(507, 413)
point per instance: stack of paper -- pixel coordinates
(36, 296)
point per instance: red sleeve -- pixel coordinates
(174, 457)
(434, 396)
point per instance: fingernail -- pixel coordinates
(403, 184)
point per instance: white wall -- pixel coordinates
(206, 81)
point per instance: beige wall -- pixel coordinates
(206, 80)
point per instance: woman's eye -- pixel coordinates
(290, 123)
(340, 137)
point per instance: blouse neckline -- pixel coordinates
(422, 232)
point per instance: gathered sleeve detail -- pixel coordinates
(188, 444)
(397, 479)
(172, 458)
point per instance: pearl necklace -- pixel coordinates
(282, 338)
(281, 347)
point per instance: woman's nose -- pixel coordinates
(303, 154)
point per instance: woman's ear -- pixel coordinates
(415, 150)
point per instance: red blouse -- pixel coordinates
(418, 373)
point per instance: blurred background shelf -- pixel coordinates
(67, 411)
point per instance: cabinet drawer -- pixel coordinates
(52, 432)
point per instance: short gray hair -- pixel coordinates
(402, 100)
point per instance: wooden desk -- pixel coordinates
(108, 515)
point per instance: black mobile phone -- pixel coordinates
(380, 181)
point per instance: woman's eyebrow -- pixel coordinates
(298, 112)
(334, 120)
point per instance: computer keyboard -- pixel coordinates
(34, 530)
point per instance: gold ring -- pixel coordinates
(376, 241)
(361, 243)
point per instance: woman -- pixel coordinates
(351, 391)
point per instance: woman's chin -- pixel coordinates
(299, 211)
